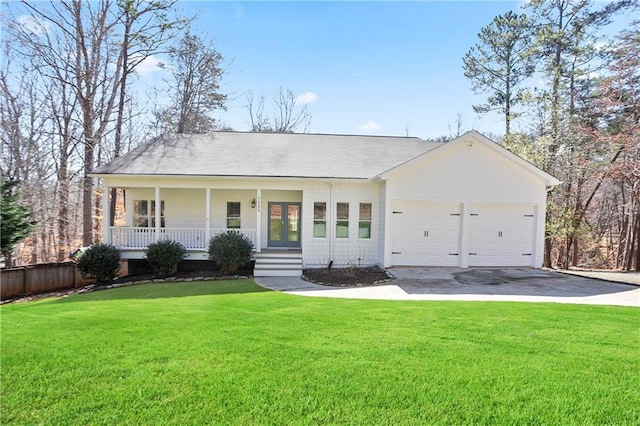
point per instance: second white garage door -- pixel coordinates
(501, 235)
(426, 234)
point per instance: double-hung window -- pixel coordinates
(233, 215)
(364, 223)
(144, 213)
(342, 220)
(319, 220)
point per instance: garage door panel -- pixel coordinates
(425, 234)
(501, 235)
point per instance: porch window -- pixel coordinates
(233, 214)
(144, 213)
(342, 220)
(319, 220)
(364, 224)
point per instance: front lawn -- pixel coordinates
(228, 352)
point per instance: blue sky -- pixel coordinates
(367, 67)
(383, 68)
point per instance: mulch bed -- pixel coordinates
(180, 275)
(347, 277)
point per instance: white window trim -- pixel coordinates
(227, 217)
(151, 213)
(326, 220)
(348, 220)
(366, 220)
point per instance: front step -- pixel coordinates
(278, 264)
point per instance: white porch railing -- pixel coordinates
(127, 237)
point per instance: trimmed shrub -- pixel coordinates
(100, 262)
(230, 251)
(164, 255)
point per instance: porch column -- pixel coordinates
(258, 219)
(158, 212)
(106, 214)
(207, 220)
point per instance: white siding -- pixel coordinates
(462, 172)
(382, 221)
(219, 199)
(343, 251)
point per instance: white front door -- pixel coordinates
(425, 233)
(501, 235)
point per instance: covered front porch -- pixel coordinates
(270, 218)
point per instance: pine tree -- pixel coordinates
(499, 63)
(14, 221)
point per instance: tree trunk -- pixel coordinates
(548, 246)
(630, 246)
(63, 210)
(566, 252)
(87, 191)
(576, 252)
(637, 240)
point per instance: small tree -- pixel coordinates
(164, 256)
(230, 251)
(101, 262)
(14, 223)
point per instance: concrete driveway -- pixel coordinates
(475, 284)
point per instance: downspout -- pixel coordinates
(330, 230)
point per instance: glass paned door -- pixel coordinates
(276, 223)
(284, 224)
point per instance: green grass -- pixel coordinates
(231, 353)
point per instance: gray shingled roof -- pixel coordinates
(268, 155)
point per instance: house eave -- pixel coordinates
(232, 177)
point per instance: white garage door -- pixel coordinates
(501, 235)
(425, 234)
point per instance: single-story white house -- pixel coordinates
(307, 200)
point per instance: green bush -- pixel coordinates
(164, 255)
(230, 251)
(100, 262)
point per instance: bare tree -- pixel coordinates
(93, 47)
(25, 136)
(289, 115)
(456, 128)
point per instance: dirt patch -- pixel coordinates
(54, 294)
(347, 277)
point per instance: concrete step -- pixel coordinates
(277, 273)
(278, 254)
(274, 260)
(278, 266)
(279, 263)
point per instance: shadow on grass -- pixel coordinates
(169, 290)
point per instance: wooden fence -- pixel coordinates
(43, 278)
